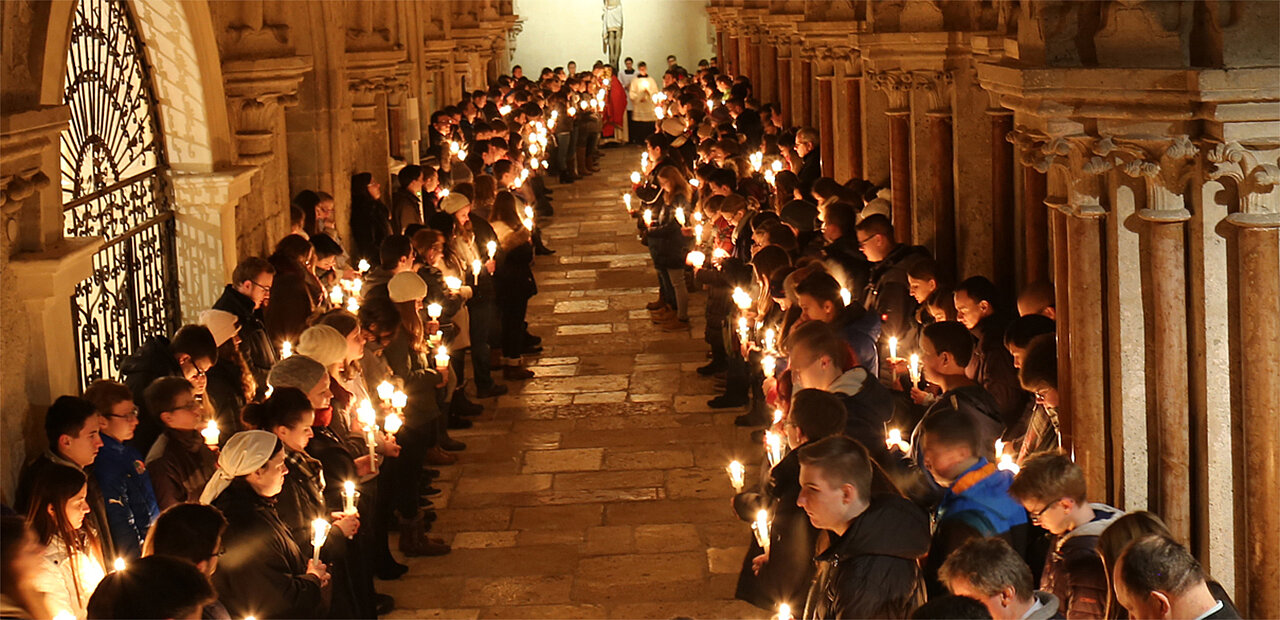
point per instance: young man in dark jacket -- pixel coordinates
(190, 354)
(1052, 489)
(978, 307)
(888, 293)
(990, 571)
(810, 157)
(180, 463)
(869, 568)
(246, 296)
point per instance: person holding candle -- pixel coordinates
(73, 555)
(152, 587)
(783, 574)
(179, 463)
(990, 571)
(246, 297)
(668, 246)
(469, 237)
(979, 308)
(888, 294)
(230, 384)
(122, 476)
(190, 355)
(191, 532)
(1039, 376)
(298, 291)
(439, 265)
(370, 218)
(818, 295)
(875, 537)
(514, 281)
(263, 572)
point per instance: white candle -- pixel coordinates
(697, 232)
(769, 364)
(626, 200)
(399, 400)
(913, 368)
(648, 217)
(845, 296)
(894, 440)
(492, 248)
(475, 267)
(741, 298)
(761, 527)
(784, 612)
(353, 305)
(286, 350)
(210, 433)
(773, 446)
(504, 110)
(635, 177)
(442, 357)
(720, 253)
(392, 423)
(737, 475)
(680, 215)
(770, 339)
(319, 533)
(444, 191)
(694, 182)
(777, 416)
(349, 497)
(696, 259)
(770, 177)
(893, 347)
(335, 295)
(1005, 461)
(462, 155)
(434, 310)
(385, 390)
(452, 283)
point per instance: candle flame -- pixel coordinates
(385, 390)
(363, 266)
(696, 259)
(736, 474)
(118, 564)
(635, 177)
(893, 346)
(913, 368)
(392, 423)
(845, 296)
(434, 310)
(286, 350)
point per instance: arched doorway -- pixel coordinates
(114, 169)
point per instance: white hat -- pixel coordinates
(323, 344)
(407, 285)
(245, 453)
(222, 324)
(454, 203)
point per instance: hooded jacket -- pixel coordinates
(860, 330)
(263, 572)
(872, 571)
(126, 490)
(976, 505)
(150, 362)
(869, 405)
(888, 294)
(255, 346)
(1073, 571)
(1048, 609)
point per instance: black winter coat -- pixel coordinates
(263, 572)
(888, 293)
(873, 571)
(255, 345)
(992, 367)
(789, 571)
(370, 224)
(150, 362)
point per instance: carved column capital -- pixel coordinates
(937, 86)
(896, 84)
(1164, 165)
(257, 91)
(1079, 160)
(1256, 174)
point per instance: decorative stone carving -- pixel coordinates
(257, 90)
(1164, 165)
(1145, 34)
(937, 86)
(896, 85)
(1255, 180)
(1079, 158)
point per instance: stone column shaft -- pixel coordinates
(784, 87)
(768, 67)
(942, 152)
(900, 172)
(1057, 221)
(1035, 226)
(1087, 348)
(806, 94)
(1002, 199)
(851, 127)
(732, 67)
(826, 125)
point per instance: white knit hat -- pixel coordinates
(323, 344)
(407, 285)
(243, 454)
(454, 203)
(222, 324)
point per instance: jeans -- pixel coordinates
(482, 312)
(564, 152)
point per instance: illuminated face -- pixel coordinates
(320, 394)
(77, 507)
(260, 289)
(969, 311)
(931, 364)
(813, 310)
(82, 448)
(299, 435)
(921, 289)
(825, 503)
(122, 420)
(269, 481)
(1052, 516)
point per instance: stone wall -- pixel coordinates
(1126, 150)
(258, 99)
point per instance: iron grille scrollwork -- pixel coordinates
(113, 186)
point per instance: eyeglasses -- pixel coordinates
(132, 415)
(1035, 516)
(863, 242)
(265, 288)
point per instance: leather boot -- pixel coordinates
(438, 457)
(584, 167)
(414, 541)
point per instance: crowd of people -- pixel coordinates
(909, 422)
(255, 461)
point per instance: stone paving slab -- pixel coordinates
(597, 488)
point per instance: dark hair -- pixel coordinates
(293, 247)
(1048, 477)
(1040, 363)
(951, 607)
(1023, 329)
(722, 176)
(950, 337)
(978, 288)
(66, 416)
(409, 174)
(923, 269)
(307, 201)
(152, 587)
(821, 286)
(504, 209)
(818, 414)
(769, 259)
(502, 167)
(942, 299)
(876, 224)
(325, 246)
(160, 395)
(297, 217)
(842, 461)
(990, 565)
(950, 427)
(393, 249)
(1158, 564)
(52, 488)
(825, 187)
(105, 394)
(196, 341)
(285, 408)
(187, 531)
(842, 216)
(250, 268)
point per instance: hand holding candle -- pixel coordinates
(696, 259)
(768, 364)
(319, 533)
(894, 440)
(913, 368)
(761, 527)
(442, 357)
(492, 247)
(349, 495)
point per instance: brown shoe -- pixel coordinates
(655, 305)
(414, 541)
(664, 315)
(438, 457)
(516, 373)
(674, 325)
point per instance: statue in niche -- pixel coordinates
(611, 21)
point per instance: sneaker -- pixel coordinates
(516, 373)
(725, 401)
(710, 369)
(496, 389)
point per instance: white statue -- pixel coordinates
(611, 22)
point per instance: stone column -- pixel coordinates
(852, 125)
(806, 94)
(897, 86)
(1256, 224)
(1055, 207)
(767, 85)
(937, 85)
(1004, 257)
(784, 80)
(826, 124)
(1035, 217)
(732, 68)
(204, 207)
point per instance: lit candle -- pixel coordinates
(504, 110)
(452, 283)
(475, 267)
(784, 612)
(710, 105)
(492, 248)
(118, 564)
(210, 433)
(363, 266)
(528, 212)
(335, 295)
(644, 160)
(777, 165)
(773, 445)
(777, 416)
(697, 216)
(573, 110)
(444, 191)
(741, 298)
(270, 390)
(353, 305)
(845, 296)
(659, 112)
(369, 420)
(635, 177)
(626, 200)
(737, 475)
(319, 533)
(894, 440)
(434, 310)
(913, 368)
(893, 347)
(697, 231)
(770, 177)
(743, 332)
(761, 527)
(392, 423)
(719, 254)
(454, 147)
(286, 350)
(768, 363)
(442, 357)
(770, 339)
(399, 400)
(694, 182)
(385, 390)
(696, 259)
(349, 497)
(648, 217)
(64, 615)
(680, 215)
(462, 155)
(1006, 462)
(528, 223)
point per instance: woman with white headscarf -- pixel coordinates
(262, 573)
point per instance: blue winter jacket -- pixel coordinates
(126, 490)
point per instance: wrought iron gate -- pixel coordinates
(113, 185)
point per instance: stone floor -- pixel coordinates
(598, 488)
